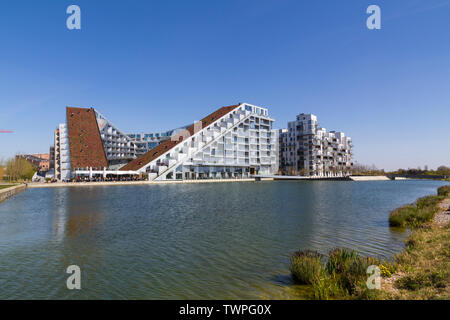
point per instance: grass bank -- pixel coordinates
(422, 211)
(423, 267)
(4, 186)
(421, 271)
(342, 274)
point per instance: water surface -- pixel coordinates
(189, 241)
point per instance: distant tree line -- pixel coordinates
(367, 170)
(440, 171)
(359, 169)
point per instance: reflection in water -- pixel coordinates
(193, 241)
(84, 210)
(59, 212)
(75, 211)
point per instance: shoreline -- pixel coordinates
(130, 183)
(423, 265)
(421, 270)
(254, 179)
(7, 193)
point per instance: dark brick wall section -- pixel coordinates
(169, 144)
(86, 147)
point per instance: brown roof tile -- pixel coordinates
(154, 153)
(85, 143)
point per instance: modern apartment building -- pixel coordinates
(64, 153)
(52, 158)
(56, 155)
(310, 150)
(119, 147)
(282, 150)
(149, 140)
(232, 142)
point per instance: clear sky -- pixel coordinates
(156, 65)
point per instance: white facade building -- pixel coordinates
(119, 147)
(233, 142)
(64, 152)
(307, 149)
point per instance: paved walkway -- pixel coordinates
(124, 183)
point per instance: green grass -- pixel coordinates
(4, 186)
(306, 266)
(414, 215)
(424, 265)
(444, 190)
(341, 276)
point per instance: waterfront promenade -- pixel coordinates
(124, 183)
(253, 179)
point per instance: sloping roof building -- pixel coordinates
(232, 142)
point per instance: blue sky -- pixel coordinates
(156, 65)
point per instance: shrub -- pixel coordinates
(343, 275)
(415, 215)
(306, 266)
(423, 215)
(444, 190)
(326, 287)
(355, 275)
(400, 216)
(339, 260)
(428, 201)
(387, 269)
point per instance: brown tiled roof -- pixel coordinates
(85, 143)
(154, 153)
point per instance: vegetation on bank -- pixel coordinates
(423, 267)
(4, 186)
(421, 271)
(418, 213)
(359, 169)
(342, 274)
(17, 169)
(440, 171)
(444, 191)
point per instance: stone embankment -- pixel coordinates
(9, 192)
(369, 178)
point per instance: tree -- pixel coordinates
(291, 171)
(361, 169)
(443, 170)
(18, 168)
(303, 172)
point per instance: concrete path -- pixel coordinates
(127, 183)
